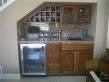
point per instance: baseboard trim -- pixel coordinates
(11, 76)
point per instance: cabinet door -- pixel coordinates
(69, 14)
(53, 58)
(80, 58)
(67, 62)
(84, 14)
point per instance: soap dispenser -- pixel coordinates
(85, 33)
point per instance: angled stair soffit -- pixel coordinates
(5, 3)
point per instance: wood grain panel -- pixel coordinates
(53, 58)
(81, 58)
(67, 62)
(77, 46)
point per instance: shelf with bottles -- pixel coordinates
(51, 8)
(51, 14)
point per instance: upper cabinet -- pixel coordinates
(69, 14)
(62, 13)
(84, 14)
(76, 14)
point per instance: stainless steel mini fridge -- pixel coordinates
(33, 59)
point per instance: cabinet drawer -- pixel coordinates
(77, 46)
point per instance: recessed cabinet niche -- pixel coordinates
(61, 13)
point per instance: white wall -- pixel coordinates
(8, 34)
(101, 29)
(108, 35)
(108, 26)
(0, 40)
(10, 16)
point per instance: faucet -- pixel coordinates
(60, 31)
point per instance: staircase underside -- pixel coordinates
(5, 3)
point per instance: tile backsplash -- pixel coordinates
(69, 30)
(66, 31)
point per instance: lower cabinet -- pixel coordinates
(68, 59)
(80, 60)
(67, 62)
(74, 61)
(53, 58)
(74, 57)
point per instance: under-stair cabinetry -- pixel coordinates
(61, 13)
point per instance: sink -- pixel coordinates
(74, 38)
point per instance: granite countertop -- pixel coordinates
(62, 41)
(68, 40)
(21, 42)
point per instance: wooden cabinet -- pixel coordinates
(84, 14)
(69, 14)
(53, 58)
(74, 57)
(67, 62)
(68, 59)
(77, 14)
(81, 58)
(62, 13)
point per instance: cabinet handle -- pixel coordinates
(76, 63)
(53, 50)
